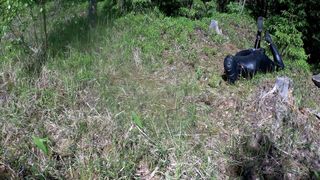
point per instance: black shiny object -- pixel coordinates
(248, 62)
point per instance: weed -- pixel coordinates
(41, 143)
(215, 81)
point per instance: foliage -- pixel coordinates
(117, 8)
(188, 8)
(234, 7)
(197, 10)
(20, 25)
(140, 5)
(9, 11)
(41, 143)
(136, 119)
(211, 7)
(287, 38)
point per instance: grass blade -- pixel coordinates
(136, 119)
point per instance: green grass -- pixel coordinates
(166, 70)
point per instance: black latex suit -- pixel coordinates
(247, 62)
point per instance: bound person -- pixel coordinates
(248, 62)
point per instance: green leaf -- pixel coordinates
(136, 120)
(41, 143)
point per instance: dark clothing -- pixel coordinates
(248, 62)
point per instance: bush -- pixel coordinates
(197, 10)
(287, 37)
(188, 8)
(115, 8)
(234, 7)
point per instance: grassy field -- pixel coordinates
(142, 96)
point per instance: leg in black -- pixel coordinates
(266, 64)
(260, 28)
(276, 55)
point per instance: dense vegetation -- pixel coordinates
(123, 89)
(295, 23)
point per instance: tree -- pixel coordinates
(24, 24)
(11, 22)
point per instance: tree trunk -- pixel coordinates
(44, 48)
(92, 14)
(44, 16)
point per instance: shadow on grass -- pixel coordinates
(75, 31)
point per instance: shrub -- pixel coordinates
(188, 8)
(287, 37)
(198, 9)
(234, 7)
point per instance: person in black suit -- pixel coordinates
(248, 62)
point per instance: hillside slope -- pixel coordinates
(143, 97)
